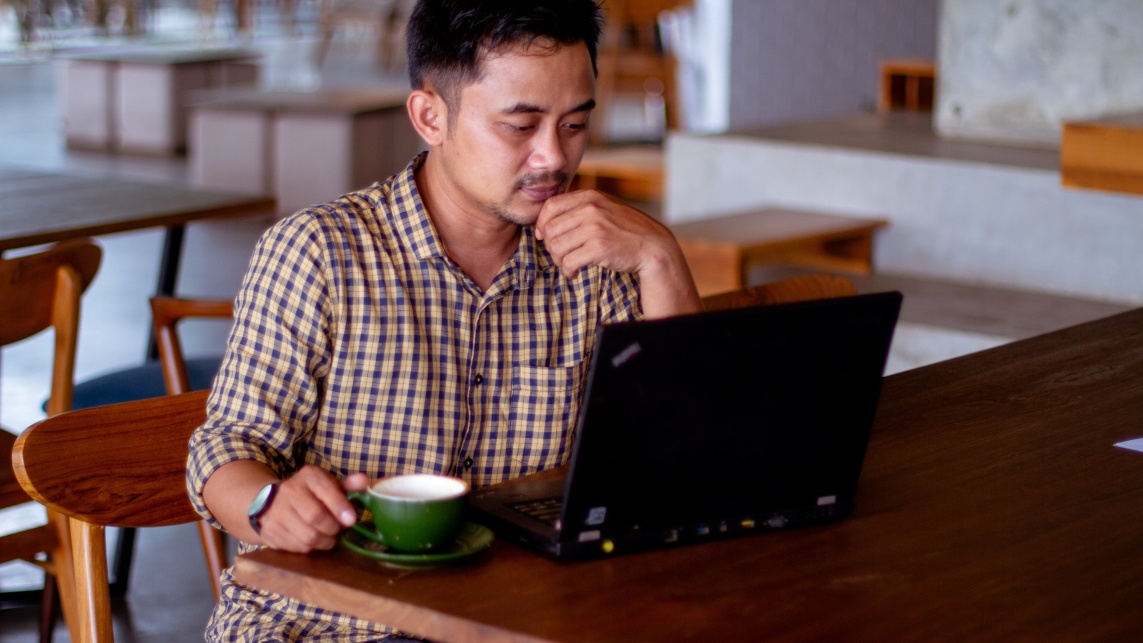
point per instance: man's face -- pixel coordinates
(520, 131)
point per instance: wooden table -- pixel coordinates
(38, 207)
(304, 147)
(133, 99)
(630, 172)
(721, 250)
(993, 507)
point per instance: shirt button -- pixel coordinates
(479, 379)
(467, 464)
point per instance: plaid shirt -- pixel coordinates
(360, 346)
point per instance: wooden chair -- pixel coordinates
(120, 465)
(800, 288)
(166, 313)
(41, 291)
(385, 17)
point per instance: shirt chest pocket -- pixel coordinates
(541, 415)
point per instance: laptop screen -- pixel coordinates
(700, 418)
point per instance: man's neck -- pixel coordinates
(478, 242)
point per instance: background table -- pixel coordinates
(38, 207)
(720, 251)
(993, 507)
(303, 147)
(133, 99)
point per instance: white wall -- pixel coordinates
(1014, 70)
(965, 221)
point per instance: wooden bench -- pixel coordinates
(1103, 153)
(721, 251)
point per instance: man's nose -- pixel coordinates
(548, 152)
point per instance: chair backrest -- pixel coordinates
(166, 313)
(800, 288)
(121, 465)
(42, 291)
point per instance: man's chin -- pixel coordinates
(519, 215)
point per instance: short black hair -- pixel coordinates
(447, 39)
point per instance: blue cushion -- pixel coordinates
(141, 382)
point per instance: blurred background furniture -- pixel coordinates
(133, 99)
(37, 292)
(304, 147)
(908, 85)
(630, 172)
(385, 19)
(120, 465)
(633, 61)
(721, 250)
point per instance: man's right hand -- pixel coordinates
(310, 510)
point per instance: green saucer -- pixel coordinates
(472, 539)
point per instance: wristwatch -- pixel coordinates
(261, 505)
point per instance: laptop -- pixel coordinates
(708, 426)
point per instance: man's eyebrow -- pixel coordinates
(529, 108)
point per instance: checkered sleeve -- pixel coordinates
(619, 300)
(265, 399)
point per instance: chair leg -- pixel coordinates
(62, 561)
(91, 592)
(49, 608)
(214, 547)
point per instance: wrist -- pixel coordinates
(261, 504)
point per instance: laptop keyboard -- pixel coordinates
(544, 509)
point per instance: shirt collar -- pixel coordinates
(411, 221)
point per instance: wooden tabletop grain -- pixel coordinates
(43, 207)
(993, 506)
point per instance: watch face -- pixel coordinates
(261, 501)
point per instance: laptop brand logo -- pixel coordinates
(626, 354)
(596, 516)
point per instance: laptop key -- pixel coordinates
(545, 509)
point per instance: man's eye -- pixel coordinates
(516, 127)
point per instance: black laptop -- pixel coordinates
(709, 426)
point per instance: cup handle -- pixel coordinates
(360, 527)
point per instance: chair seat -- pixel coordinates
(141, 382)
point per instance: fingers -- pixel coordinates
(309, 512)
(589, 228)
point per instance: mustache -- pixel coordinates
(547, 178)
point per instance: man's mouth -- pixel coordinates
(542, 192)
(543, 187)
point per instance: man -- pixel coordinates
(440, 321)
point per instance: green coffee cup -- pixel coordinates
(414, 513)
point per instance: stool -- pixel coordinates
(721, 250)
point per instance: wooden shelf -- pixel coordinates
(908, 85)
(1103, 154)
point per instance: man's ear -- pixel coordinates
(429, 114)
